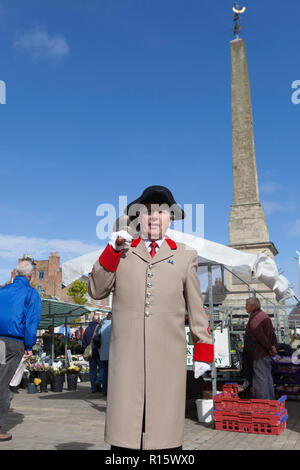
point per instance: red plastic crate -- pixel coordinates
(231, 388)
(231, 402)
(250, 417)
(249, 425)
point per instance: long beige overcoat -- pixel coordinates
(147, 358)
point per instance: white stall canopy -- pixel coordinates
(257, 266)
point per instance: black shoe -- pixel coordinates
(4, 436)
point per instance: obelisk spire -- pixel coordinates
(247, 224)
(245, 183)
(248, 230)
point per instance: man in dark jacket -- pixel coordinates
(261, 331)
(95, 360)
(20, 314)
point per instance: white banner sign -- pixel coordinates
(221, 348)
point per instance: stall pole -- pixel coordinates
(66, 342)
(211, 323)
(52, 339)
(277, 322)
(286, 329)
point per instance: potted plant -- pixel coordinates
(84, 372)
(44, 375)
(72, 376)
(57, 372)
(42, 368)
(31, 367)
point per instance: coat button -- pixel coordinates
(147, 313)
(147, 303)
(149, 284)
(150, 275)
(148, 294)
(150, 266)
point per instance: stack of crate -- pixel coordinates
(232, 413)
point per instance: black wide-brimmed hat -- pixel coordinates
(155, 195)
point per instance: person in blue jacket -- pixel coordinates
(95, 359)
(20, 314)
(104, 352)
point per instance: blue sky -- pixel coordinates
(107, 97)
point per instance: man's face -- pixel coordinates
(154, 221)
(250, 307)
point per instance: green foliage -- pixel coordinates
(77, 291)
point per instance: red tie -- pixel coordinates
(153, 249)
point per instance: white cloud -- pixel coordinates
(272, 206)
(294, 230)
(13, 247)
(269, 187)
(40, 44)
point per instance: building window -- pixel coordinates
(41, 274)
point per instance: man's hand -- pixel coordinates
(27, 355)
(118, 240)
(200, 368)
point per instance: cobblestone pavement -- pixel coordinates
(75, 420)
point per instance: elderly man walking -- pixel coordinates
(20, 314)
(261, 340)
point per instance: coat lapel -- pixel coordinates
(165, 251)
(139, 248)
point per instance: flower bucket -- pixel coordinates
(44, 376)
(57, 383)
(72, 382)
(32, 376)
(84, 376)
(31, 388)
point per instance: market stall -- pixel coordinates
(60, 313)
(42, 369)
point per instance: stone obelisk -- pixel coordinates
(248, 230)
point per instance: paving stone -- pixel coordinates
(75, 421)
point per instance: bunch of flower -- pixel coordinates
(57, 368)
(79, 361)
(38, 363)
(85, 368)
(73, 368)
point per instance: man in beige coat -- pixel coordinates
(155, 282)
